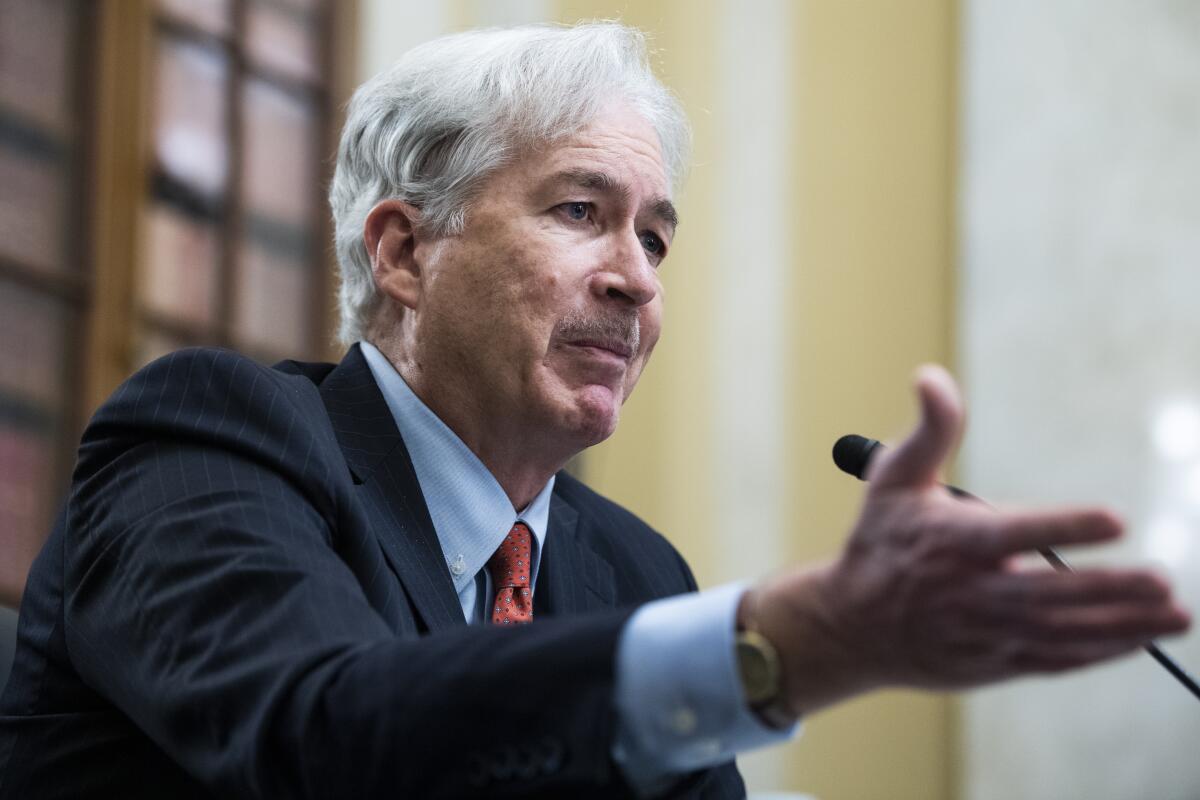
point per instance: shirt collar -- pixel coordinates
(470, 511)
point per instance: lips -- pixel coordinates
(612, 346)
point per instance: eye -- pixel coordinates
(578, 210)
(653, 244)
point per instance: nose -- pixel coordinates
(627, 276)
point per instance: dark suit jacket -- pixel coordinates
(244, 597)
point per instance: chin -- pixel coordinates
(597, 409)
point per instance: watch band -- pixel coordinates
(762, 678)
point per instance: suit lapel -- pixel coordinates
(387, 483)
(572, 578)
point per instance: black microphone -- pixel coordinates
(853, 453)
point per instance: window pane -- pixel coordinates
(34, 65)
(208, 15)
(189, 112)
(279, 176)
(26, 461)
(283, 39)
(179, 277)
(32, 205)
(273, 306)
(32, 337)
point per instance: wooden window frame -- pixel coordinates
(70, 283)
(124, 166)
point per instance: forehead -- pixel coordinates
(618, 143)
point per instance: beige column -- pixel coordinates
(873, 295)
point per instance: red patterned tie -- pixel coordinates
(509, 568)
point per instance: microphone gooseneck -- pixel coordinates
(853, 453)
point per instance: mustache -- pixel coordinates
(618, 330)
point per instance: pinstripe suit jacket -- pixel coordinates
(244, 596)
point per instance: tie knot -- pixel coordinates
(509, 565)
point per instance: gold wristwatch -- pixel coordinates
(762, 678)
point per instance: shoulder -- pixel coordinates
(186, 382)
(624, 539)
(191, 383)
(211, 397)
(201, 431)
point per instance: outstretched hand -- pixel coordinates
(928, 593)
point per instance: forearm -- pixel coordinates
(258, 698)
(476, 712)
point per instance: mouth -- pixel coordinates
(604, 348)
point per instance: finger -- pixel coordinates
(1017, 623)
(1006, 533)
(1068, 625)
(1043, 588)
(1060, 658)
(916, 460)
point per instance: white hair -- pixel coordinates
(433, 126)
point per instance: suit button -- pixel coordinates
(504, 764)
(477, 770)
(527, 763)
(552, 756)
(683, 721)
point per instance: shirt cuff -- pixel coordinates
(679, 697)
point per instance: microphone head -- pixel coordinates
(852, 453)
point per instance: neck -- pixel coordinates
(521, 460)
(515, 457)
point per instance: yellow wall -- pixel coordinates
(873, 296)
(870, 298)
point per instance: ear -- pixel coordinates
(389, 234)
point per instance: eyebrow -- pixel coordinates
(661, 207)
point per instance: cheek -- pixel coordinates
(546, 283)
(527, 298)
(504, 286)
(525, 273)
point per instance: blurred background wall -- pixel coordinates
(1080, 345)
(162, 164)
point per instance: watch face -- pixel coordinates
(762, 679)
(757, 678)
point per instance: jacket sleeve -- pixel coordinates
(206, 600)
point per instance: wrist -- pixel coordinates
(760, 668)
(796, 612)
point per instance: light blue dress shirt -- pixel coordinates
(671, 720)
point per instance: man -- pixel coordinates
(261, 582)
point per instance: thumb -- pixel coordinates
(917, 460)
